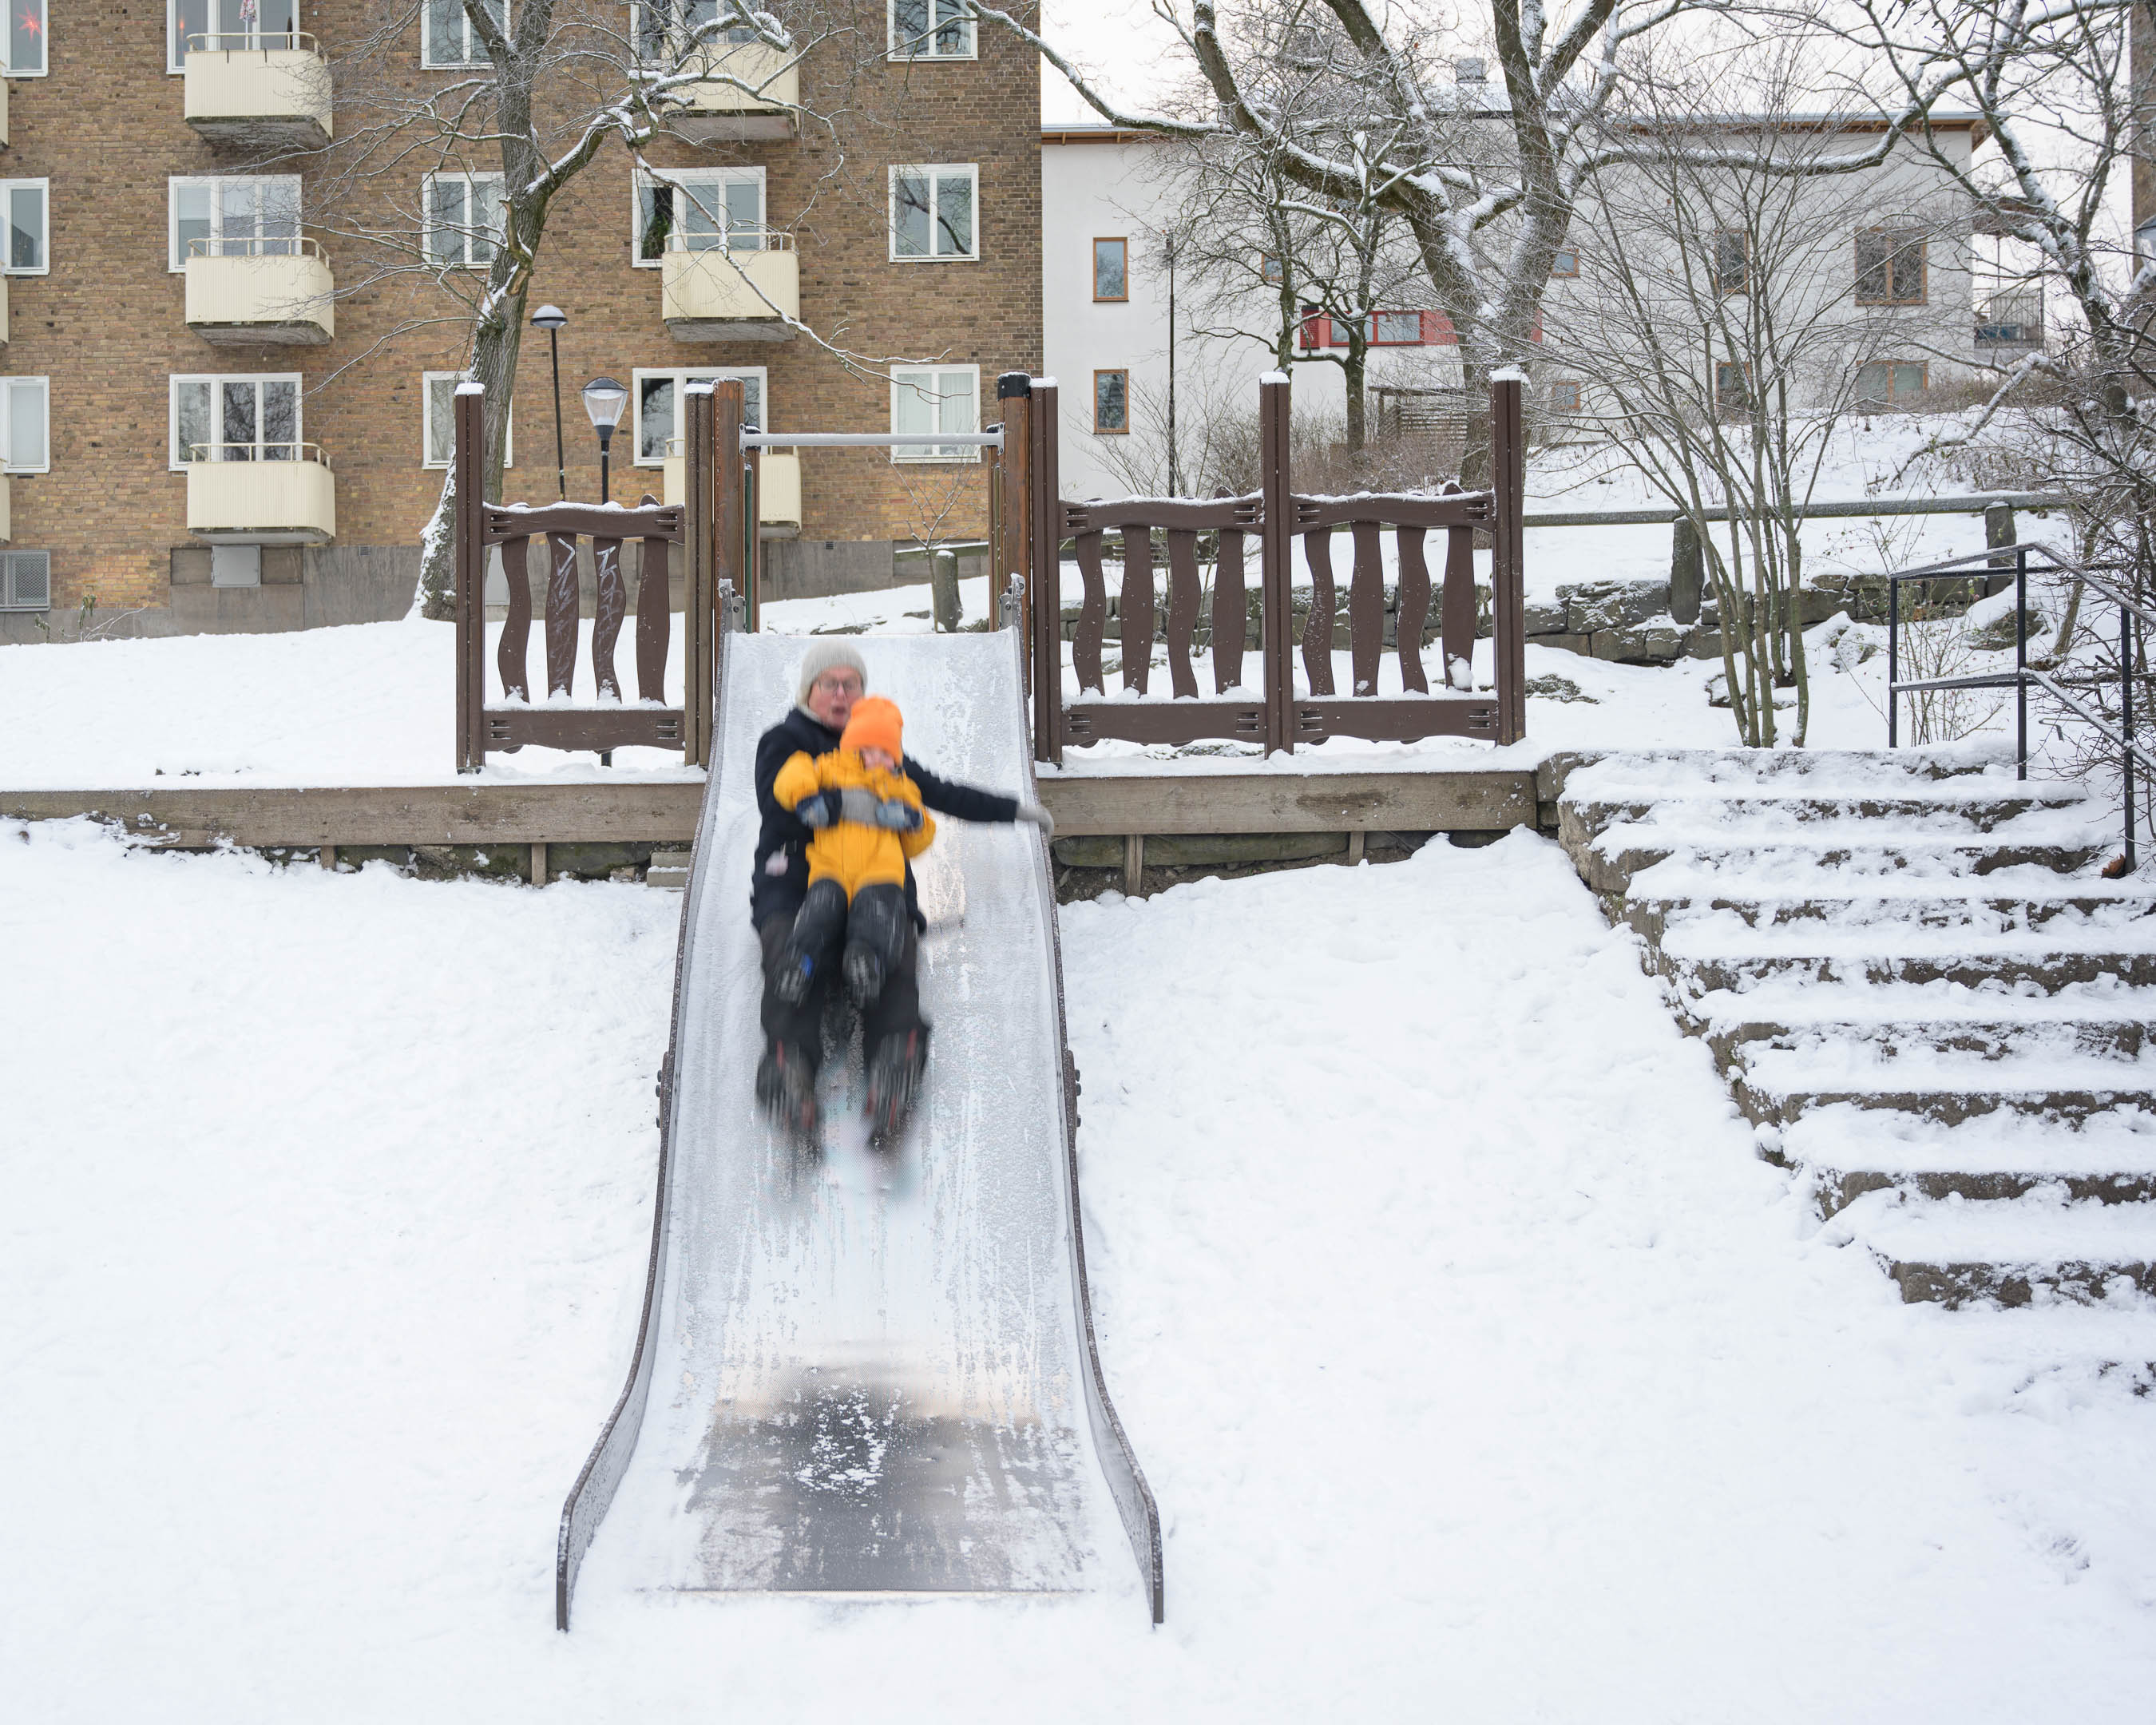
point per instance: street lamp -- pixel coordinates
(551, 319)
(604, 400)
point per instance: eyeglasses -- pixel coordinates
(840, 683)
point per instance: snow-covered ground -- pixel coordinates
(1480, 1369)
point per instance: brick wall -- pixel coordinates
(107, 325)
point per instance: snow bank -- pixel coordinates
(1480, 1369)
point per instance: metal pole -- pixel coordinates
(606, 479)
(1893, 661)
(2021, 664)
(560, 460)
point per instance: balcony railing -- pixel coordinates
(243, 291)
(778, 499)
(259, 90)
(261, 493)
(2011, 321)
(713, 111)
(715, 288)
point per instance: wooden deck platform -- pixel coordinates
(646, 812)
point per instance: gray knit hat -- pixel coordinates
(829, 656)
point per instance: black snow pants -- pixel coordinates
(896, 1011)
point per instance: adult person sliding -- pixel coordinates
(833, 677)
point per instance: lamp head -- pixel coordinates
(604, 399)
(550, 317)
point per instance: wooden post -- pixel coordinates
(1045, 522)
(727, 563)
(1012, 553)
(1274, 575)
(698, 587)
(752, 522)
(538, 864)
(1508, 571)
(1133, 863)
(470, 521)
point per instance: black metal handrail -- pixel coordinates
(1987, 563)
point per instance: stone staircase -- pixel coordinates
(1922, 990)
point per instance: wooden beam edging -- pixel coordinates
(1292, 803)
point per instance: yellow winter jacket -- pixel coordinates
(852, 852)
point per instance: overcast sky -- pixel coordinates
(1119, 42)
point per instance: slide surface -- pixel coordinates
(870, 1372)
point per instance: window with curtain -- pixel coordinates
(464, 219)
(700, 209)
(235, 418)
(234, 216)
(932, 398)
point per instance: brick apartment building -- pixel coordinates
(185, 314)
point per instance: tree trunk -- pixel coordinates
(494, 350)
(1357, 372)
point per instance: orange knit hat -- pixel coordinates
(875, 724)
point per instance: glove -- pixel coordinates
(1038, 816)
(894, 814)
(819, 811)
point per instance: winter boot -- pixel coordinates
(786, 1089)
(894, 1080)
(818, 927)
(863, 977)
(797, 972)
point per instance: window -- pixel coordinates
(658, 404)
(464, 219)
(1565, 265)
(233, 217)
(26, 38)
(1890, 267)
(931, 212)
(700, 209)
(1112, 277)
(933, 398)
(24, 427)
(217, 25)
(1111, 401)
(664, 30)
(446, 36)
(930, 30)
(1889, 381)
(1732, 386)
(235, 418)
(1733, 261)
(1271, 270)
(26, 580)
(26, 226)
(1380, 329)
(1565, 397)
(440, 414)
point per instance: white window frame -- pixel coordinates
(176, 262)
(7, 188)
(927, 48)
(11, 588)
(215, 379)
(682, 377)
(42, 388)
(475, 55)
(45, 28)
(900, 375)
(427, 380)
(935, 171)
(733, 33)
(427, 230)
(176, 48)
(688, 176)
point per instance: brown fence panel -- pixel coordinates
(1231, 610)
(654, 623)
(606, 615)
(1183, 597)
(1456, 617)
(1317, 628)
(1366, 610)
(1413, 610)
(511, 656)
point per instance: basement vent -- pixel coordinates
(26, 581)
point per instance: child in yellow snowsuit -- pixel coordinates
(869, 821)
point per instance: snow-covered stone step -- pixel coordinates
(1952, 805)
(2013, 963)
(2097, 1018)
(1777, 1085)
(1971, 907)
(1847, 1151)
(2021, 1252)
(1822, 857)
(1671, 772)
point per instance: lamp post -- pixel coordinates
(604, 400)
(550, 319)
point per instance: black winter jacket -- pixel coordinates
(798, 732)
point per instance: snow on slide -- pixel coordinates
(874, 1375)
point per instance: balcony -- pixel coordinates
(3, 306)
(245, 293)
(711, 113)
(711, 292)
(2010, 323)
(777, 509)
(256, 91)
(261, 494)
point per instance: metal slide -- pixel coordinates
(875, 1374)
